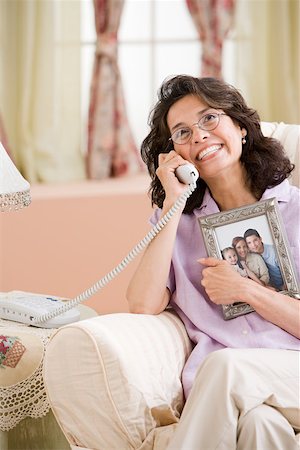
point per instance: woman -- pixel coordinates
(253, 260)
(235, 380)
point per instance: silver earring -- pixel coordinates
(244, 140)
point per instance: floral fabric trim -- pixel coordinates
(11, 351)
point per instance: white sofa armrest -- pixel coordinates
(116, 377)
(289, 136)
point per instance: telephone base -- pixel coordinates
(24, 308)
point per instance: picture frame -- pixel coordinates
(219, 230)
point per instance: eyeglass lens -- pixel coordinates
(207, 122)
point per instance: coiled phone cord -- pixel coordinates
(124, 263)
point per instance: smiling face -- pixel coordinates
(230, 256)
(241, 249)
(212, 152)
(255, 244)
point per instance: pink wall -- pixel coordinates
(72, 235)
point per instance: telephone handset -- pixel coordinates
(187, 174)
(41, 311)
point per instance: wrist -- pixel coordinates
(168, 205)
(251, 292)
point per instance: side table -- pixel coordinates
(26, 422)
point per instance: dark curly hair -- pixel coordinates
(264, 158)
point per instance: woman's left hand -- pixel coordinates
(225, 286)
(221, 282)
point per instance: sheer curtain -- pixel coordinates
(213, 19)
(268, 64)
(111, 148)
(40, 76)
(3, 138)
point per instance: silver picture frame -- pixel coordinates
(219, 229)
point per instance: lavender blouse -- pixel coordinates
(202, 318)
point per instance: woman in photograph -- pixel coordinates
(241, 380)
(253, 260)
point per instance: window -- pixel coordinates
(157, 38)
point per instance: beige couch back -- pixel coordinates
(289, 136)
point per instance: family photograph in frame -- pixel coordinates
(252, 239)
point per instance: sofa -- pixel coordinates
(114, 381)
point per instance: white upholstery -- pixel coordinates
(115, 378)
(114, 381)
(289, 136)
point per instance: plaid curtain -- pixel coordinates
(111, 148)
(213, 19)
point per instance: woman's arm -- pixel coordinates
(147, 292)
(224, 286)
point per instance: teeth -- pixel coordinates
(212, 149)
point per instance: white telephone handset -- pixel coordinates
(187, 174)
(43, 311)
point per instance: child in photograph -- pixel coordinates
(230, 255)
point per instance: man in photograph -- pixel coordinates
(267, 251)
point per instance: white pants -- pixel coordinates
(245, 399)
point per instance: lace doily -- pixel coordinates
(28, 397)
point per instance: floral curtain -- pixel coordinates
(213, 19)
(111, 148)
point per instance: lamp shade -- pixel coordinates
(14, 189)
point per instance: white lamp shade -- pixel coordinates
(14, 189)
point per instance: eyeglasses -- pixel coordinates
(208, 122)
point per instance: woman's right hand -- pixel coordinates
(168, 163)
(143, 294)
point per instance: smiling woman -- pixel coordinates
(238, 166)
(190, 99)
(211, 140)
